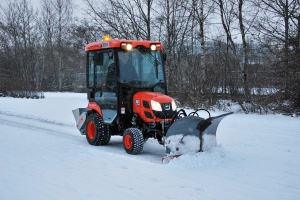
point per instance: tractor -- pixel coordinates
(127, 96)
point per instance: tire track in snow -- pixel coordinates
(25, 116)
(122, 162)
(40, 160)
(153, 152)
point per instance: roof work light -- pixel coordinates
(154, 47)
(126, 46)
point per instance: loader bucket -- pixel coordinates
(192, 134)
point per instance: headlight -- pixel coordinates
(174, 107)
(155, 106)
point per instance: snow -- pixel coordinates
(43, 156)
(180, 144)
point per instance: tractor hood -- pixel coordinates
(153, 106)
(148, 96)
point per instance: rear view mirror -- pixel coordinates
(98, 58)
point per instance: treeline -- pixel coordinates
(40, 49)
(218, 51)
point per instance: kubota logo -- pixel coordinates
(167, 106)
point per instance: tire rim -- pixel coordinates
(91, 130)
(127, 141)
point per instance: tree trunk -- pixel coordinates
(245, 52)
(202, 42)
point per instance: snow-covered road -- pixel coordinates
(43, 156)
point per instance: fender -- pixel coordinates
(95, 107)
(80, 114)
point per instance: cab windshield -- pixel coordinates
(141, 67)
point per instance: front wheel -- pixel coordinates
(133, 141)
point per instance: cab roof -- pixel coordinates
(108, 44)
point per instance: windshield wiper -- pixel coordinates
(151, 57)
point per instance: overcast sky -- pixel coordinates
(37, 3)
(78, 10)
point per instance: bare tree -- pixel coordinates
(278, 28)
(231, 64)
(237, 18)
(176, 35)
(126, 19)
(245, 49)
(201, 10)
(55, 26)
(275, 21)
(19, 42)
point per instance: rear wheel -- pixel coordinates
(96, 133)
(133, 141)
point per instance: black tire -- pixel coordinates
(96, 133)
(133, 141)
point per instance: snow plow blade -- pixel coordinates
(191, 134)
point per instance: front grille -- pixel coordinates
(148, 115)
(146, 104)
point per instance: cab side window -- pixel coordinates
(101, 70)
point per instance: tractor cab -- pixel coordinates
(117, 70)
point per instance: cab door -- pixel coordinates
(102, 82)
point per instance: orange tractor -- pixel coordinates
(127, 94)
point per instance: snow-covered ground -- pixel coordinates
(43, 156)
